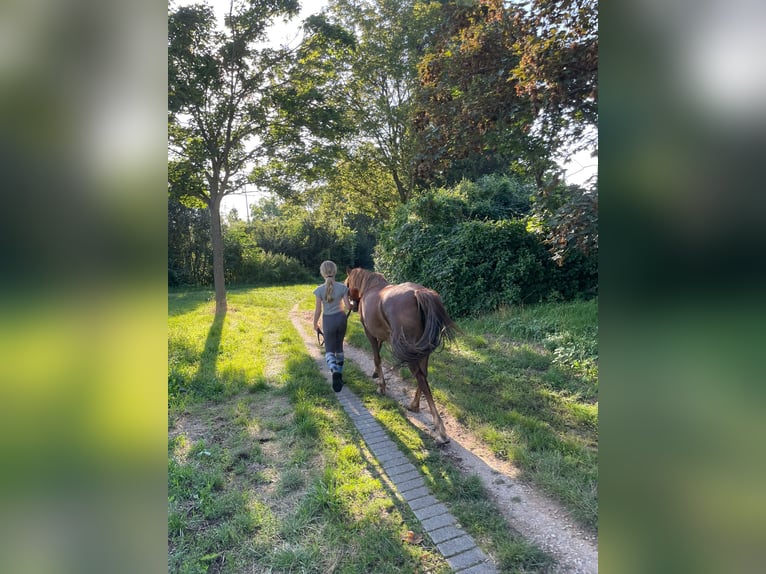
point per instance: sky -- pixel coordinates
(579, 168)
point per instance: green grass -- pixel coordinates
(464, 495)
(266, 473)
(526, 381)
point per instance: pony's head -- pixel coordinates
(352, 282)
(359, 281)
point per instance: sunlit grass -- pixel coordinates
(265, 470)
(525, 380)
(464, 495)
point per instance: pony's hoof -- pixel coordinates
(442, 441)
(375, 375)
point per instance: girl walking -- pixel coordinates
(329, 297)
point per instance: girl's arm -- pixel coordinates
(317, 312)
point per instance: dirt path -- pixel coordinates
(534, 516)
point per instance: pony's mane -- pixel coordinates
(369, 279)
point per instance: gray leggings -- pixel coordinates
(334, 328)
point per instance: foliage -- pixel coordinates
(359, 185)
(558, 68)
(247, 263)
(506, 86)
(574, 226)
(218, 101)
(310, 116)
(472, 243)
(351, 124)
(307, 236)
(189, 251)
(469, 118)
(232, 101)
(381, 79)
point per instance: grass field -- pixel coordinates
(267, 474)
(526, 381)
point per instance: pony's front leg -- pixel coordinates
(376, 344)
(378, 374)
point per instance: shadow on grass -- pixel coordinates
(353, 529)
(205, 383)
(465, 496)
(183, 301)
(522, 406)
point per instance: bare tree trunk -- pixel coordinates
(216, 236)
(403, 192)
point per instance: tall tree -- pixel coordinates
(558, 69)
(507, 84)
(382, 78)
(470, 120)
(218, 103)
(311, 116)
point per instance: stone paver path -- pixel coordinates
(457, 546)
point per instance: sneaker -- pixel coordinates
(337, 381)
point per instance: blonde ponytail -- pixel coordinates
(328, 269)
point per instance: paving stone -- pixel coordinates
(373, 433)
(354, 408)
(394, 469)
(392, 461)
(456, 545)
(385, 454)
(416, 493)
(365, 418)
(422, 502)
(442, 534)
(384, 448)
(481, 568)
(403, 474)
(376, 439)
(438, 521)
(466, 559)
(364, 423)
(404, 486)
(390, 457)
(429, 511)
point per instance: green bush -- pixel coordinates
(473, 245)
(246, 263)
(303, 234)
(476, 266)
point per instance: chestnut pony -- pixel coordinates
(412, 319)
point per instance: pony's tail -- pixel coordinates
(438, 327)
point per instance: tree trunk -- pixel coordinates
(216, 236)
(403, 192)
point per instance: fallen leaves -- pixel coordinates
(412, 538)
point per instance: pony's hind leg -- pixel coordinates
(415, 404)
(420, 375)
(415, 368)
